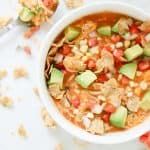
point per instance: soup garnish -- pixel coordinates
(98, 72)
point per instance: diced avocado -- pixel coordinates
(129, 70)
(26, 15)
(145, 103)
(86, 78)
(133, 52)
(71, 33)
(104, 30)
(56, 77)
(115, 28)
(118, 118)
(147, 49)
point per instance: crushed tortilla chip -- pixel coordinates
(22, 131)
(74, 3)
(36, 91)
(4, 21)
(59, 147)
(48, 121)
(3, 74)
(20, 72)
(6, 101)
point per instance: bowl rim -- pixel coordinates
(111, 138)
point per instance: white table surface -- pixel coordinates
(27, 105)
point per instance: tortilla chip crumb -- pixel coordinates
(59, 147)
(3, 74)
(6, 101)
(20, 72)
(74, 3)
(48, 121)
(4, 21)
(22, 131)
(36, 91)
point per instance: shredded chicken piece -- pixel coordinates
(87, 28)
(22, 131)
(133, 103)
(145, 26)
(6, 101)
(96, 127)
(3, 74)
(73, 64)
(111, 91)
(55, 91)
(48, 121)
(123, 25)
(20, 72)
(74, 3)
(106, 62)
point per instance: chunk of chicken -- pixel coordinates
(106, 62)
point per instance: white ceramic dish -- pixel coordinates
(111, 138)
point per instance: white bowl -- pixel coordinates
(111, 138)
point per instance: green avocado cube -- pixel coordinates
(118, 118)
(72, 33)
(104, 30)
(115, 28)
(129, 70)
(56, 77)
(145, 103)
(86, 78)
(133, 52)
(26, 15)
(147, 49)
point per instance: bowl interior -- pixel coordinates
(111, 138)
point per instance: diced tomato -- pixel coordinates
(115, 38)
(144, 65)
(105, 117)
(91, 64)
(109, 108)
(66, 50)
(118, 53)
(145, 139)
(92, 42)
(125, 80)
(75, 102)
(102, 78)
(60, 66)
(138, 40)
(107, 48)
(118, 64)
(134, 29)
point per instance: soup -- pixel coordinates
(98, 72)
